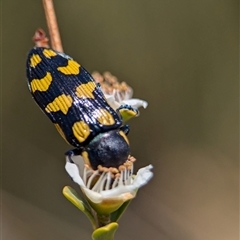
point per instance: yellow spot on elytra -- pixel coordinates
(49, 53)
(35, 60)
(85, 90)
(127, 114)
(124, 136)
(61, 132)
(41, 84)
(81, 131)
(104, 117)
(60, 103)
(71, 68)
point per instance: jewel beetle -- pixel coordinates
(74, 102)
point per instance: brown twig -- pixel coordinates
(52, 25)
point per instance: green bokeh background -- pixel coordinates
(180, 56)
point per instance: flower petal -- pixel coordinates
(79, 161)
(143, 176)
(112, 102)
(73, 171)
(95, 197)
(135, 102)
(118, 191)
(105, 205)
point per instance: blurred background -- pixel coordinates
(180, 56)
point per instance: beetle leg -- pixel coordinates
(125, 129)
(73, 152)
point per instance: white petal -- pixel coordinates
(136, 103)
(92, 195)
(79, 161)
(117, 191)
(128, 94)
(143, 176)
(111, 101)
(122, 193)
(73, 171)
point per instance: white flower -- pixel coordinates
(115, 102)
(104, 193)
(117, 93)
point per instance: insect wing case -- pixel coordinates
(69, 96)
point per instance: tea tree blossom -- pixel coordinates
(106, 189)
(117, 93)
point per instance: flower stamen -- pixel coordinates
(108, 178)
(90, 180)
(97, 185)
(115, 182)
(103, 182)
(110, 85)
(86, 171)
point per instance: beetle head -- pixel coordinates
(109, 149)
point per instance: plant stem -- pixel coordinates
(52, 25)
(103, 220)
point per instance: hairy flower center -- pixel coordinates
(108, 178)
